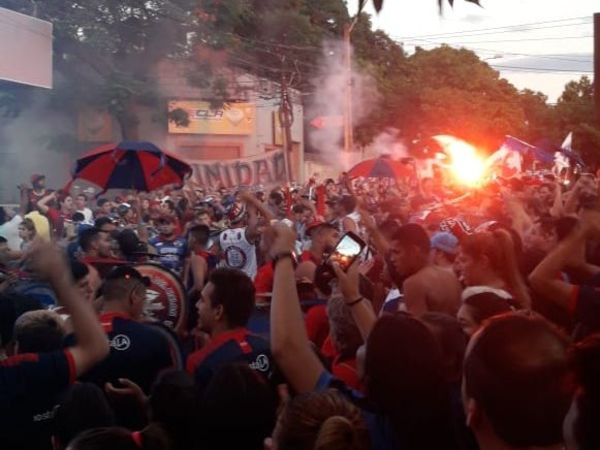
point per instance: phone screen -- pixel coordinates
(347, 250)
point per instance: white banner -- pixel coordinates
(268, 168)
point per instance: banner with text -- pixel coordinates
(266, 169)
(232, 118)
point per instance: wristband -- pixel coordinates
(355, 302)
(279, 256)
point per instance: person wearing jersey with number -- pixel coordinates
(171, 249)
(238, 244)
(324, 237)
(224, 307)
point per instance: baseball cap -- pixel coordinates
(127, 272)
(445, 242)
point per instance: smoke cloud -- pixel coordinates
(24, 148)
(328, 101)
(389, 143)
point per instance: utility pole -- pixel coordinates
(286, 119)
(597, 65)
(348, 120)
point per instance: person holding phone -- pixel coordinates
(323, 238)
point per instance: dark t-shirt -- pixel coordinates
(30, 385)
(382, 434)
(237, 345)
(585, 307)
(138, 351)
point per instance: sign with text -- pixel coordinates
(232, 118)
(268, 168)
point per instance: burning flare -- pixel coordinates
(465, 164)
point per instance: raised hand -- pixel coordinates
(284, 239)
(46, 260)
(348, 281)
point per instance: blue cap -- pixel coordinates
(445, 242)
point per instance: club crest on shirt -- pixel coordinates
(261, 363)
(120, 342)
(235, 257)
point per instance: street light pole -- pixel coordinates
(348, 130)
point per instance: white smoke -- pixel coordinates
(24, 148)
(389, 144)
(328, 101)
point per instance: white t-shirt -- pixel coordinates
(88, 217)
(10, 231)
(355, 217)
(239, 253)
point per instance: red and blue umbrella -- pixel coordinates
(140, 166)
(381, 168)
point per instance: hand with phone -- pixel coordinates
(348, 281)
(345, 253)
(347, 250)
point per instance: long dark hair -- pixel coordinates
(405, 381)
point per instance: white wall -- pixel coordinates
(25, 49)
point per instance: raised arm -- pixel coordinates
(361, 308)
(557, 206)
(377, 239)
(254, 206)
(92, 344)
(23, 199)
(521, 220)
(42, 204)
(572, 202)
(289, 342)
(545, 279)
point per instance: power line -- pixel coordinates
(492, 28)
(509, 31)
(551, 38)
(536, 69)
(502, 52)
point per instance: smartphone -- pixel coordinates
(349, 247)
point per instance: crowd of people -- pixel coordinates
(469, 320)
